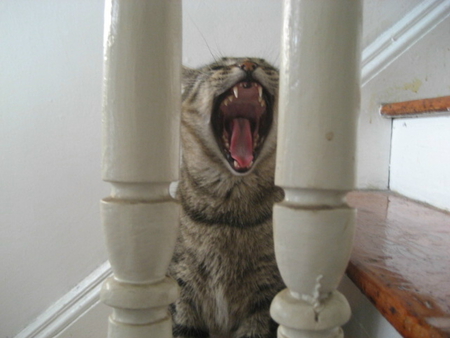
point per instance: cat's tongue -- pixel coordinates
(241, 145)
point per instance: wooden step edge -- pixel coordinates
(391, 306)
(425, 107)
(401, 262)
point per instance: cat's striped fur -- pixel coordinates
(224, 259)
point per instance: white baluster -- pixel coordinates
(141, 104)
(313, 226)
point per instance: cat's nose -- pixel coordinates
(248, 66)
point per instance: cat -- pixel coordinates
(224, 259)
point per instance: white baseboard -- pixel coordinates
(76, 303)
(401, 36)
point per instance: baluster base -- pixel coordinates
(301, 319)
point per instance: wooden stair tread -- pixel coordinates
(414, 108)
(401, 262)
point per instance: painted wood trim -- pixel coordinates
(401, 260)
(400, 37)
(415, 108)
(74, 304)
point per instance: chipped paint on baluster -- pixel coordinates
(315, 298)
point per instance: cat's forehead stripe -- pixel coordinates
(227, 61)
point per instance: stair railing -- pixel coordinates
(313, 226)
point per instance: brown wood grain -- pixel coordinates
(416, 107)
(401, 262)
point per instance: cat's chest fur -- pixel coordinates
(223, 268)
(224, 259)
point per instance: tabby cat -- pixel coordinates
(224, 259)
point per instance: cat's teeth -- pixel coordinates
(255, 140)
(229, 99)
(260, 91)
(225, 142)
(237, 166)
(262, 102)
(235, 91)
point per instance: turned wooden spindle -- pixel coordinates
(141, 101)
(314, 226)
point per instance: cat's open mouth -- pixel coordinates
(241, 120)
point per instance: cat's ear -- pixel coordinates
(188, 77)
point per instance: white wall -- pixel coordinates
(212, 29)
(50, 116)
(50, 104)
(420, 165)
(410, 24)
(420, 159)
